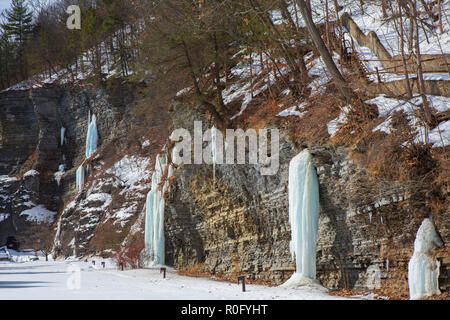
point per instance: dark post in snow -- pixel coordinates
(378, 75)
(93, 262)
(121, 266)
(242, 279)
(103, 264)
(163, 270)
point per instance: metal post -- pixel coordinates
(242, 279)
(163, 270)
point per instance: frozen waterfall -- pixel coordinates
(214, 150)
(153, 254)
(59, 174)
(91, 137)
(80, 178)
(423, 269)
(91, 146)
(62, 133)
(303, 217)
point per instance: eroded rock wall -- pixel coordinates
(239, 223)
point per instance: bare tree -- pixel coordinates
(325, 54)
(41, 238)
(402, 49)
(420, 81)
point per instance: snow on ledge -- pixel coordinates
(39, 214)
(31, 173)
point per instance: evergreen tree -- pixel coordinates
(18, 26)
(18, 21)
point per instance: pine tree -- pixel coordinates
(19, 21)
(17, 28)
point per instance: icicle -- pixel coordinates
(303, 214)
(213, 151)
(423, 269)
(63, 131)
(154, 217)
(59, 173)
(91, 137)
(149, 219)
(80, 178)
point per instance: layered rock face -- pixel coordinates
(30, 141)
(239, 223)
(19, 130)
(235, 224)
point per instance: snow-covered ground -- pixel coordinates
(60, 280)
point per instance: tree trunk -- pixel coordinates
(427, 10)
(289, 58)
(402, 44)
(420, 82)
(217, 73)
(301, 61)
(325, 54)
(207, 104)
(341, 28)
(440, 17)
(327, 25)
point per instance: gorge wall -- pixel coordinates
(31, 148)
(237, 224)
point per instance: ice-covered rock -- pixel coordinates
(154, 253)
(303, 217)
(423, 269)
(80, 178)
(91, 137)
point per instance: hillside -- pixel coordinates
(88, 148)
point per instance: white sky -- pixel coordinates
(4, 4)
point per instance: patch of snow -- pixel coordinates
(145, 144)
(31, 173)
(292, 111)
(335, 124)
(4, 216)
(438, 137)
(319, 72)
(39, 214)
(183, 91)
(131, 170)
(372, 20)
(6, 179)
